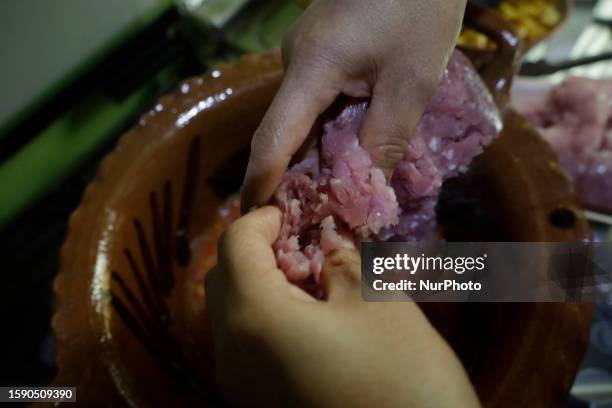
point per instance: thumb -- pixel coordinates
(397, 105)
(341, 275)
(246, 256)
(247, 264)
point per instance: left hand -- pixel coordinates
(277, 346)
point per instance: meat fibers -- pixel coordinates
(576, 119)
(336, 194)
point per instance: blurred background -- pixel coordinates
(75, 74)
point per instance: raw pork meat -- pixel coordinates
(576, 119)
(335, 192)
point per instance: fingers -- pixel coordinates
(397, 105)
(305, 93)
(246, 257)
(341, 276)
(246, 293)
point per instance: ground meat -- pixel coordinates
(335, 192)
(576, 119)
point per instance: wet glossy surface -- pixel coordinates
(130, 319)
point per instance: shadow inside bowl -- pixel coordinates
(130, 320)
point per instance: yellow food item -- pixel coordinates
(472, 38)
(532, 19)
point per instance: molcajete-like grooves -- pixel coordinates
(129, 316)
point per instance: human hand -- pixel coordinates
(391, 51)
(277, 346)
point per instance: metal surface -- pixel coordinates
(543, 67)
(603, 11)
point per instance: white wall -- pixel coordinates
(42, 41)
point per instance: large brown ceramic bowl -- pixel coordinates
(130, 321)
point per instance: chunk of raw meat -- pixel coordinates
(336, 192)
(576, 119)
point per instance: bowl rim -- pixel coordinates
(63, 323)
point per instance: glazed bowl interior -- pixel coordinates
(120, 292)
(127, 296)
(130, 315)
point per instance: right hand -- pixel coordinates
(392, 51)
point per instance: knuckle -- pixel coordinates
(389, 153)
(268, 139)
(311, 54)
(258, 141)
(300, 38)
(342, 258)
(345, 262)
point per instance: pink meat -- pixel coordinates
(335, 192)
(576, 119)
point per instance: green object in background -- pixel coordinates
(68, 142)
(90, 59)
(263, 25)
(75, 136)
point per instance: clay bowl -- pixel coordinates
(130, 320)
